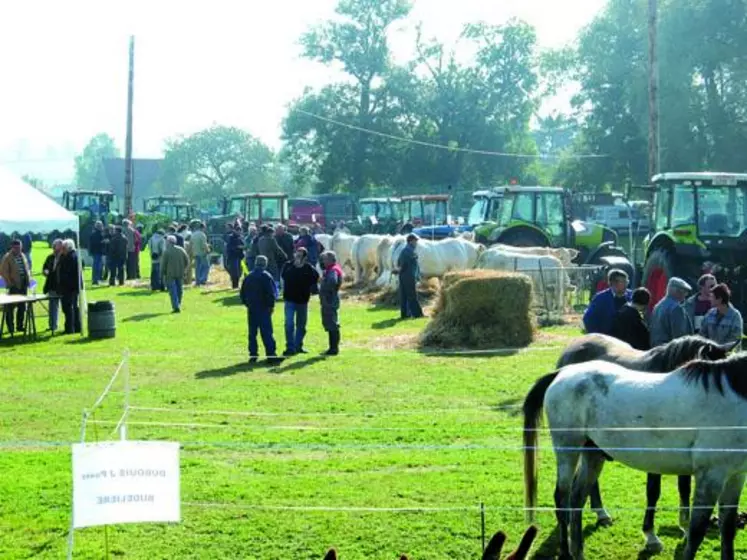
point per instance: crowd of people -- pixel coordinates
(624, 314)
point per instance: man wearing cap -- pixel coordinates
(258, 294)
(16, 271)
(602, 311)
(409, 276)
(669, 319)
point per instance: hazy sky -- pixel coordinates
(64, 63)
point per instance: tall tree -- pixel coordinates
(215, 162)
(358, 43)
(483, 105)
(87, 163)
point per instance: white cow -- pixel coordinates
(549, 276)
(563, 254)
(365, 256)
(436, 258)
(342, 245)
(385, 257)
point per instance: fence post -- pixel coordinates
(544, 289)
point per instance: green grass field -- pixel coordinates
(381, 426)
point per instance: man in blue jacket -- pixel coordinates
(258, 294)
(600, 315)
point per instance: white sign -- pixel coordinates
(125, 482)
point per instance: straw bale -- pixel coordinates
(482, 309)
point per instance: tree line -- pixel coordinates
(441, 119)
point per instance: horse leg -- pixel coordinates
(684, 483)
(653, 491)
(708, 486)
(566, 467)
(727, 514)
(603, 518)
(591, 467)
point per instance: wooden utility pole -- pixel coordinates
(653, 91)
(128, 210)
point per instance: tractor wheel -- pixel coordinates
(523, 238)
(657, 271)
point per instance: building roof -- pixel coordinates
(145, 173)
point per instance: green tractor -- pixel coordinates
(377, 215)
(699, 225)
(257, 208)
(173, 208)
(90, 206)
(541, 217)
(485, 211)
(161, 211)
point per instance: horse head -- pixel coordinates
(714, 352)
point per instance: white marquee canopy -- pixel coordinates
(23, 208)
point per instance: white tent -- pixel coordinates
(23, 208)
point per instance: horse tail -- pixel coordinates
(533, 405)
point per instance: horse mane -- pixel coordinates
(713, 373)
(672, 355)
(661, 359)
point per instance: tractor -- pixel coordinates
(173, 208)
(90, 206)
(485, 211)
(377, 215)
(257, 208)
(336, 207)
(699, 225)
(424, 211)
(159, 212)
(541, 217)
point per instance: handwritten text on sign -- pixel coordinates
(125, 482)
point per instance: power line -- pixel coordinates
(442, 146)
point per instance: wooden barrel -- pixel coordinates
(102, 321)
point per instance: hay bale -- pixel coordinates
(482, 309)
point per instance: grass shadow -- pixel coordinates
(20, 340)
(386, 323)
(234, 369)
(511, 406)
(142, 317)
(230, 301)
(209, 292)
(136, 292)
(432, 351)
(300, 364)
(85, 340)
(550, 547)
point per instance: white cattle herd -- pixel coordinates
(370, 259)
